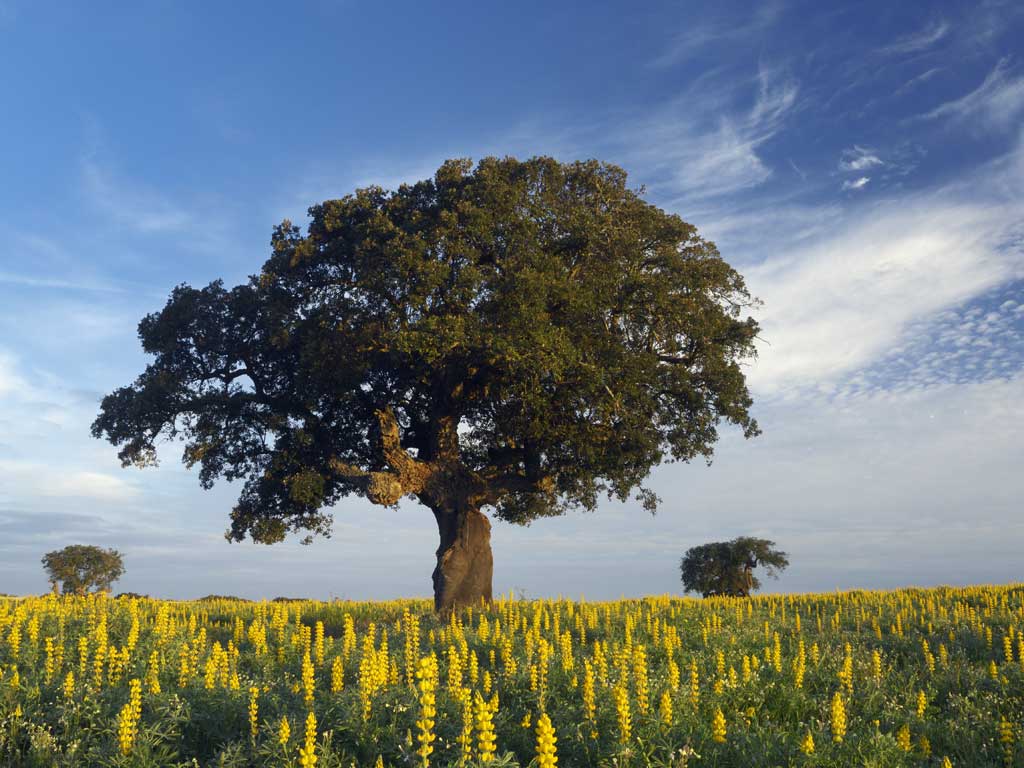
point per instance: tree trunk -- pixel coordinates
(748, 580)
(464, 562)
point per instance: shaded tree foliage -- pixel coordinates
(523, 336)
(726, 567)
(80, 568)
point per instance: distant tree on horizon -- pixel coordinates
(726, 568)
(524, 336)
(79, 568)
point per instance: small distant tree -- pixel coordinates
(727, 567)
(80, 568)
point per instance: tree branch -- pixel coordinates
(516, 482)
(406, 476)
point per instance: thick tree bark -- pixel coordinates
(464, 561)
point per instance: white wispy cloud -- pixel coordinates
(739, 229)
(32, 281)
(703, 144)
(38, 411)
(918, 41)
(834, 305)
(995, 104)
(55, 480)
(44, 263)
(706, 142)
(131, 204)
(11, 382)
(979, 340)
(858, 158)
(698, 36)
(858, 183)
(913, 82)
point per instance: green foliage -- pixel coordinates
(525, 335)
(80, 568)
(726, 567)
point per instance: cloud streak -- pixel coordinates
(132, 205)
(919, 41)
(859, 159)
(697, 37)
(995, 104)
(11, 382)
(699, 146)
(55, 480)
(835, 305)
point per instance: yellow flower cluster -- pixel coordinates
(484, 712)
(426, 680)
(128, 719)
(546, 753)
(718, 726)
(307, 752)
(838, 719)
(254, 712)
(615, 679)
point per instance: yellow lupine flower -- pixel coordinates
(308, 680)
(718, 731)
(924, 745)
(307, 751)
(640, 679)
(14, 640)
(838, 719)
(665, 708)
(799, 665)
(465, 739)
(1006, 740)
(484, 716)
(623, 714)
(254, 711)
(50, 660)
(589, 703)
(807, 744)
(337, 675)
(128, 718)
(903, 737)
(153, 673)
(425, 725)
(546, 753)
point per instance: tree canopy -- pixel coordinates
(520, 335)
(726, 567)
(79, 568)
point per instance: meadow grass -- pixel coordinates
(913, 677)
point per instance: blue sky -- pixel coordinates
(862, 164)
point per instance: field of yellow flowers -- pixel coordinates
(915, 677)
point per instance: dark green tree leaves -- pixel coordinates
(520, 335)
(726, 567)
(80, 568)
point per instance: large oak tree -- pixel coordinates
(523, 336)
